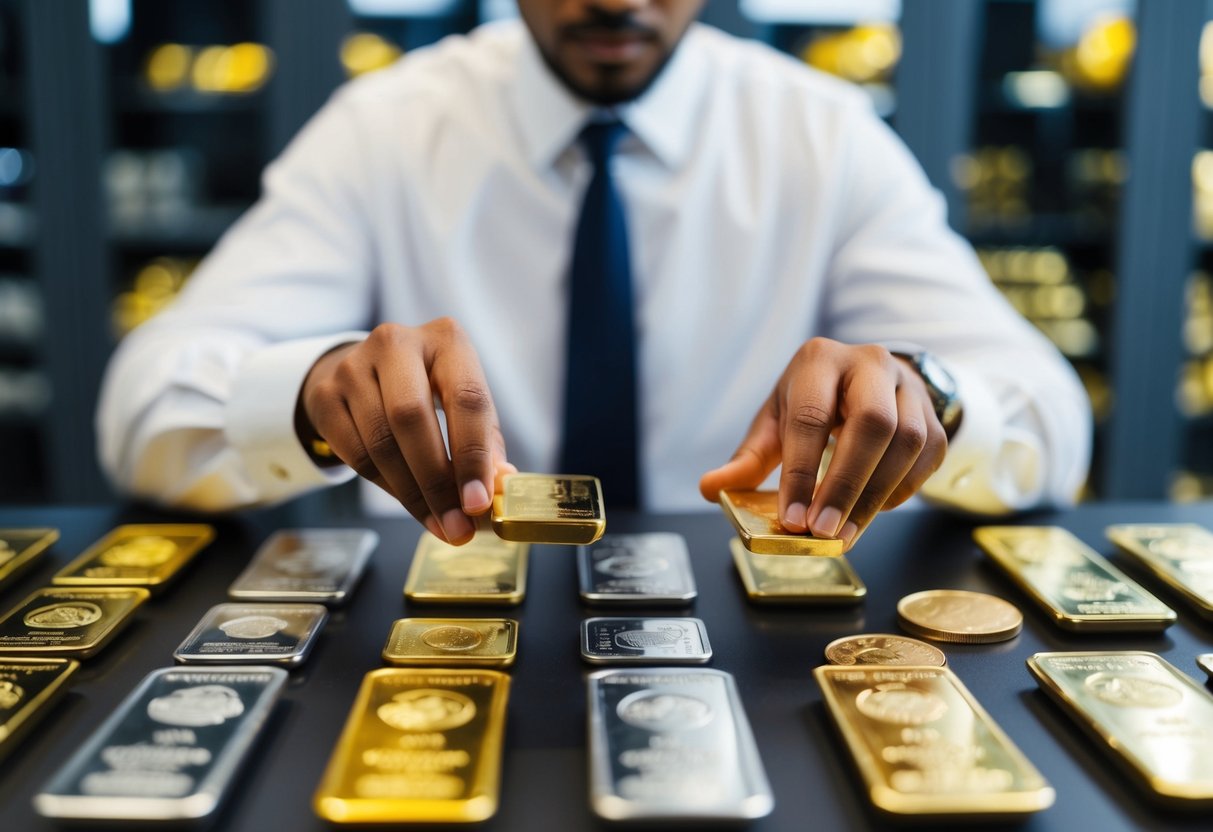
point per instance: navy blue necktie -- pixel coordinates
(600, 436)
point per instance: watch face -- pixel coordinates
(936, 376)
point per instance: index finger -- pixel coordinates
(473, 431)
(870, 421)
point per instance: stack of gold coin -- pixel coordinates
(959, 616)
(883, 649)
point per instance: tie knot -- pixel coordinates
(599, 139)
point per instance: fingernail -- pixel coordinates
(433, 528)
(828, 520)
(795, 517)
(456, 525)
(475, 497)
(849, 530)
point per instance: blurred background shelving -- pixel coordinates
(1072, 140)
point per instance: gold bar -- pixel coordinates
(926, 748)
(755, 515)
(61, 621)
(457, 642)
(20, 548)
(790, 579)
(419, 746)
(543, 508)
(486, 570)
(1179, 554)
(28, 688)
(1074, 584)
(1155, 721)
(148, 556)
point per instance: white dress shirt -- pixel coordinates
(766, 204)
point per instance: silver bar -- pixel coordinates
(672, 745)
(645, 641)
(170, 751)
(321, 565)
(651, 568)
(281, 634)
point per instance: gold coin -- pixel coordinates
(881, 648)
(960, 616)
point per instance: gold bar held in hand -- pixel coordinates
(755, 515)
(549, 508)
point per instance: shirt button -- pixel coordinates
(279, 472)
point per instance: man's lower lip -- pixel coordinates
(603, 50)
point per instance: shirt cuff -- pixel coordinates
(986, 470)
(260, 418)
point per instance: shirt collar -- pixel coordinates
(550, 117)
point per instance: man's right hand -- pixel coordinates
(373, 402)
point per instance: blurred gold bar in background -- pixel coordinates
(148, 556)
(19, 548)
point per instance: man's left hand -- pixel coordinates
(888, 439)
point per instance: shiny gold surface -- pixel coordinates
(435, 642)
(791, 579)
(883, 649)
(755, 515)
(19, 548)
(148, 556)
(28, 688)
(420, 746)
(542, 508)
(960, 616)
(924, 747)
(1071, 582)
(1181, 554)
(1150, 717)
(487, 570)
(63, 621)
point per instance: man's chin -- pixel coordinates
(608, 86)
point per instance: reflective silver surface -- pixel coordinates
(652, 568)
(672, 744)
(321, 565)
(171, 749)
(254, 634)
(645, 641)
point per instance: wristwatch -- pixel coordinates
(940, 386)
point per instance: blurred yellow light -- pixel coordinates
(156, 280)
(246, 67)
(364, 52)
(168, 66)
(862, 54)
(240, 68)
(206, 69)
(1103, 53)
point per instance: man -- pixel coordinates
(761, 239)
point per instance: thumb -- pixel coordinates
(756, 457)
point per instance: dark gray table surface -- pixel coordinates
(771, 651)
